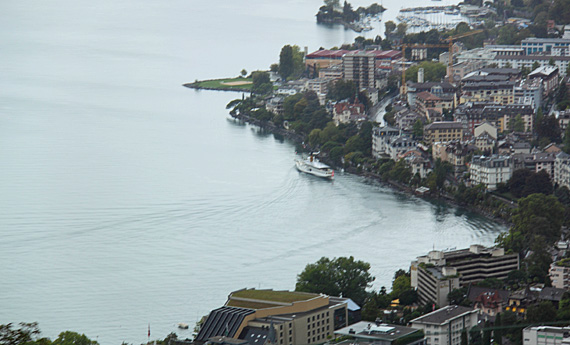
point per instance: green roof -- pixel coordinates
(249, 305)
(274, 296)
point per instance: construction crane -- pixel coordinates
(448, 45)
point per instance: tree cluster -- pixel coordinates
(29, 334)
(341, 276)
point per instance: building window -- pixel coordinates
(290, 339)
(308, 334)
(290, 332)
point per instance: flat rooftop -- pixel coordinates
(443, 315)
(274, 296)
(371, 330)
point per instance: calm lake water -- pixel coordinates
(127, 199)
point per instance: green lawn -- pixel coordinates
(226, 83)
(276, 296)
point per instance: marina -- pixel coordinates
(431, 17)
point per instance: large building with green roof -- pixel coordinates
(276, 317)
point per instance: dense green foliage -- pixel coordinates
(29, 334)
(331, 12)
(537, 217)
(433, 71)
(341, 276)
(261, 83)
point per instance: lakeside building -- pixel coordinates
(443, 132)
(381, 138)
(360, 67)
(444, 326)
(490, 171)
(399, 145)
(297, 318)
(418, 163)
(434, 275)
(366, 332)
(546, 335)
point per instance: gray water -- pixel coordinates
(127, 199)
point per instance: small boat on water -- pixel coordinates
(183, 325)
(311, 165)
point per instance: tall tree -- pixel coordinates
(286, 64)
(543, 312)
(341, 276)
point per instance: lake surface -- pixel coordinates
(127, 199)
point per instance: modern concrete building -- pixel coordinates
(538, 45)
(360, 67)
(296, 318)
(444, 326)
(546, 335)
(528, 61)
(490, 171)
(471, 265)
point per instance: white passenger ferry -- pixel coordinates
(311, 165)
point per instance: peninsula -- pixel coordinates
(358, 20)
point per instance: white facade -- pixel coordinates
(490, 171)
(381, 138)
(562, 169)
(528, 60)
(559, 275)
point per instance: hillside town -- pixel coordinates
(477, 115)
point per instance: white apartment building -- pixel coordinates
(444, 326)
(520, 61)
(559, 273)
(490, 171)
(562, 169)
(381, 138)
